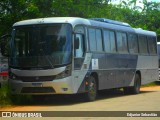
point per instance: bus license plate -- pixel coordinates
(37, 84)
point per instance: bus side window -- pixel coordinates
(92, 39)
(99, 40)
(133, 43)
(95, 39)
(152, 45)
(109, 41)
(79, 51)
(143, 48)
(122, 42)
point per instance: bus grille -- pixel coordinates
(37, 90)
(36, 78)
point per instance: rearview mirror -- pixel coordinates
(76, 43)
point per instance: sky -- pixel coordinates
(155, 0)
(117, 1)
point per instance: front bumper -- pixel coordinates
(60, 86)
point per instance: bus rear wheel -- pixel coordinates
(91, 89)
(136, 88)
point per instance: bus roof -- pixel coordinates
(144, 32)
(111, 21)
(71, 20)
(89, 22)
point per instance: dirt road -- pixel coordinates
(147, 100)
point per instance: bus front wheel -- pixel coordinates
(91, 89)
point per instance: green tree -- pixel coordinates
(12, 11)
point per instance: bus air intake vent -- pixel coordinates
(35, 78)
(111, 21)
(37, 90)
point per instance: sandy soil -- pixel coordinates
(152, 88)
(40, 107)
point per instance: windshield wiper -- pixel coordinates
(49, 61)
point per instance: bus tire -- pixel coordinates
(91, 89)
(137, 84)
(136, 88)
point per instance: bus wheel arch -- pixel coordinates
(91, 87)
(95, 75)
(135, 89)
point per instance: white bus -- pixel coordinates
(69, 55)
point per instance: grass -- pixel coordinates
(156, 83)
(6, 99)
(5, 96)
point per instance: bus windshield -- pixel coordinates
(40, 46)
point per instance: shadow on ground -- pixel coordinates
(60, 100)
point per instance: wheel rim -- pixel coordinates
(137, 84)
(92, 89)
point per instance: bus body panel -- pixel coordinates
(148, 66)
(115, 70)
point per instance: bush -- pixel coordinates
(7, 99)
(152, 84)
(4, 95)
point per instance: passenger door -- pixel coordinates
(78, 51)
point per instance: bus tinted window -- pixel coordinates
(122, 42)
(112, 40)
(95, 39)
(152, 45)
(106, 36)
(143, 44)
(109, 41)
(132, 43)
(99, 40)
(92, 39)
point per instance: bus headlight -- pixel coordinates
(65, 73)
